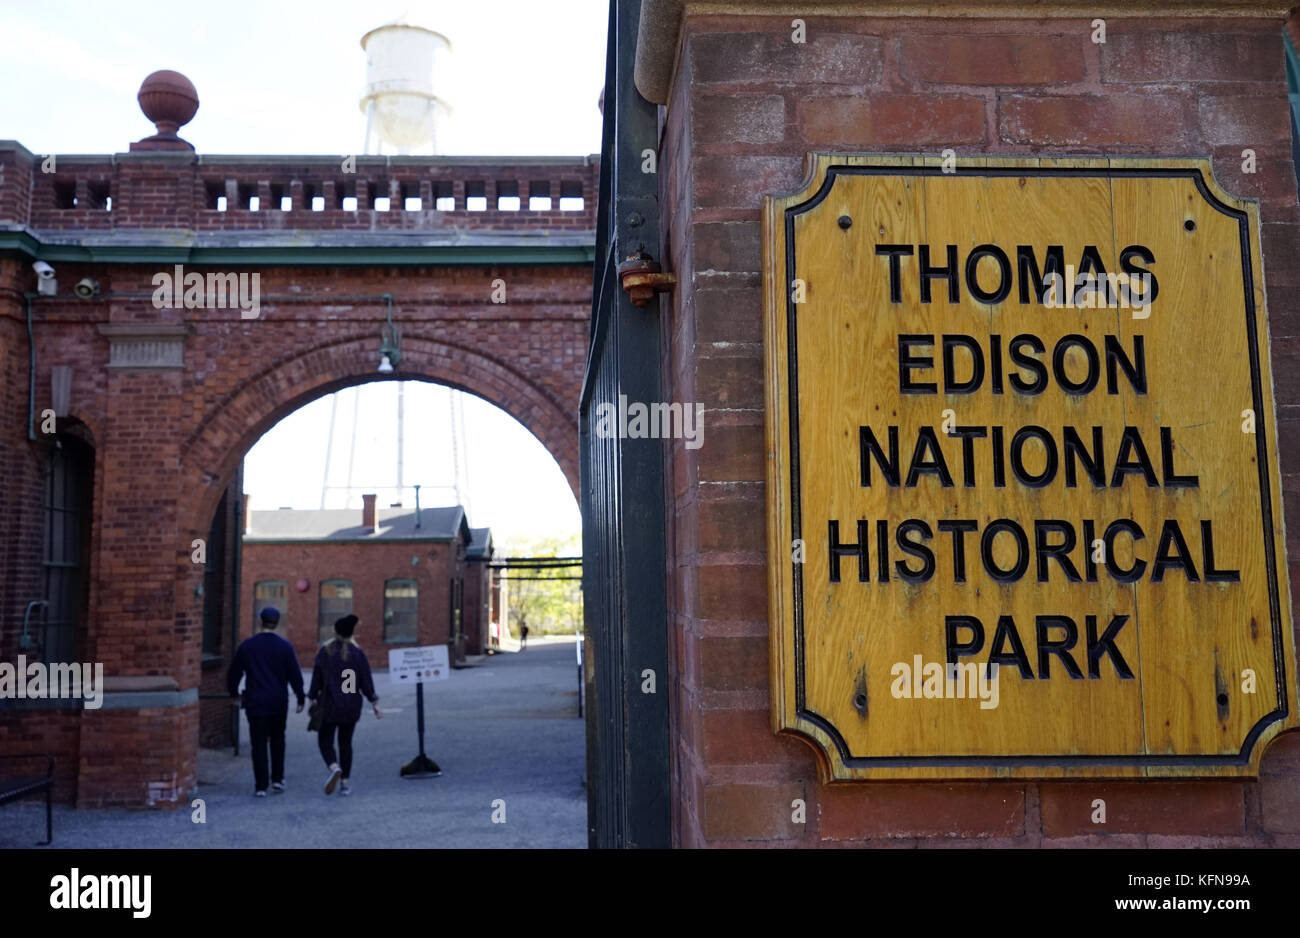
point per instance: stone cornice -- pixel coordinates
(660, 27)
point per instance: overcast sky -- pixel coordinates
(282, 77)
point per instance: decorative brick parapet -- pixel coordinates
(170, 190)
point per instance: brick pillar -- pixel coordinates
(744, 105)
(156, 190)
(140, 747)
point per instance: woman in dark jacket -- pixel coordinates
(339, 680)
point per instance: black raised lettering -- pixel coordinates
(1172, 479)
(1022, 550)
(1126, 264)
(1106, 646)
(1172, 552)
(950, 344)
(1212, 573)
(1023, 475)
(1136, 372)
(1133, 573)
(907, 362)
(1093, 373)
(1132, 442)
(869, 447)
(1044, 550)
(1061, 648)
(1053, 263)
(1039, 384)
(1004, 274)
(956, 649)
(1094, 463)
(959, 528)
(947, 272)
(1007, 632)
(914, 548)
(935, 465)
(838, 550)
(968, 435)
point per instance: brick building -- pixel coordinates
(403, 573)
(485, 608)
(127, 423)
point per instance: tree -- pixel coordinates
(545, 607)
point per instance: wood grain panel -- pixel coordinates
(833, 358)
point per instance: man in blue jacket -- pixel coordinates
(271, 666)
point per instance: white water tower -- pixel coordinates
(401, 108)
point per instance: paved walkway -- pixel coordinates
(505, 730)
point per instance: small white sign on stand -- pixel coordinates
(418, 665)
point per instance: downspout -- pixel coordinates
(31, 372)
(238, 573)
(236, 612)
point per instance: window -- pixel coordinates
(67, 540)
(401, 611)
(335, 602)
(271, 593)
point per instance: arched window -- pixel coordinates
(68, 491)
(271, 593)
(335, 602)
(401, 611)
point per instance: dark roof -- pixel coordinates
(480, 542)
(344, 524)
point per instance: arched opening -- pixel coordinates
(325, 533)
(213, 451)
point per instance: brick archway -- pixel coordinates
(219, 442)
(492, 300)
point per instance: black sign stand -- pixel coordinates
(421, 766)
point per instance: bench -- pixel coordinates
(20, 786)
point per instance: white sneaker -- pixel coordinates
(277, 787)
(335, 774)
(345, 788)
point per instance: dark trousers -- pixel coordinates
(326, 740)
(267, 732)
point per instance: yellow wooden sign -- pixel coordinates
(1024, 509)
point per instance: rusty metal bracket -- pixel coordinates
(642, 279)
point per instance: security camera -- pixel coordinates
(86, 288)
(43, 270)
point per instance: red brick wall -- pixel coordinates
(138, 758)
(477, 600)
(367, 565)
(746, 106)
(51, 732)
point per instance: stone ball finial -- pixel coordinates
(170, 100)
